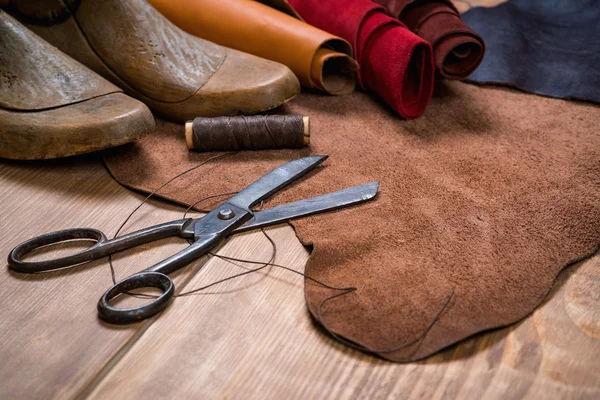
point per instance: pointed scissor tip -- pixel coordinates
(311, 161)
(320, 158)
(371, 190)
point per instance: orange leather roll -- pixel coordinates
(319, 60)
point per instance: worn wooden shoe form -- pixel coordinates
(178, 75)
(52, 106)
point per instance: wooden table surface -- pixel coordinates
(251, 338)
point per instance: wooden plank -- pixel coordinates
(254, 339)
(51, 342)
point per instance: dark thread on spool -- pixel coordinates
(319, 310)
(258, 132)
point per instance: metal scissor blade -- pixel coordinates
(275, 180)
(303, 208)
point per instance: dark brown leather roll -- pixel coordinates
(458, 50)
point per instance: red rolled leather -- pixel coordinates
(394, 63)
(458, 50)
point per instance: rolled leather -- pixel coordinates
(457, 49)
(394, 63)
(319, 60)
(283, 6)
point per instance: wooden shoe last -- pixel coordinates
(52, 106)
(176, 74)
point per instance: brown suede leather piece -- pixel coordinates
(487, 196)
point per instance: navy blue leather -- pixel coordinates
(547, 47)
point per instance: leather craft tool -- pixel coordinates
(233, 216)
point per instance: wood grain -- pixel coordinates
(250, 338)
(51, 341)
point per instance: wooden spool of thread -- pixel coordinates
(256, 132)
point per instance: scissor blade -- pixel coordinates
(275, 180)
(303, 208)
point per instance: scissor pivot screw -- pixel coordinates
(226, 213)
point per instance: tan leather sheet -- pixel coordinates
(319, 60)
(483, 200)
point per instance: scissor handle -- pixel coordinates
(102, 248)
(14, 258)
(154, 276)
(116, 315)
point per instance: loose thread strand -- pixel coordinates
(368, 349)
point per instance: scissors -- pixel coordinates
(233, 216)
